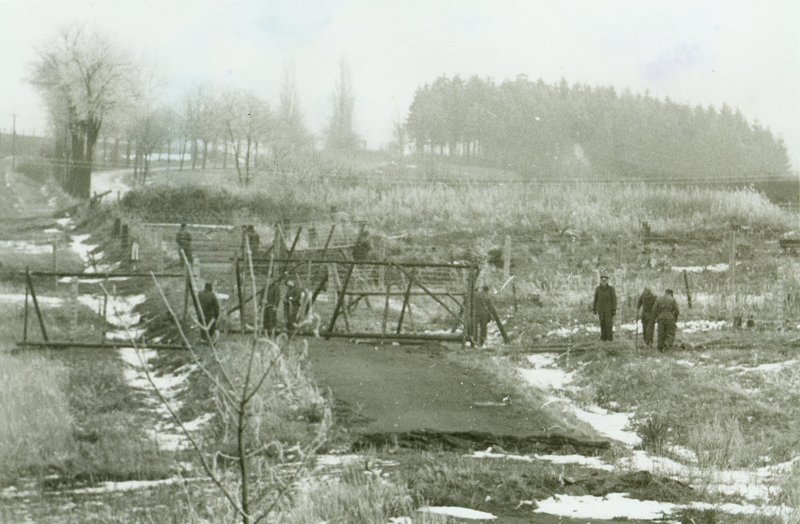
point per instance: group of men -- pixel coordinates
(660, 311)
(295, 301)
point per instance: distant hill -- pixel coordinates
(579, 131)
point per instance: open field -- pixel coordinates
(708, 424)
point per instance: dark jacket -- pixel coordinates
(273, 294)
(666, 308)
(646, 302)
(484, 308)
(605, 299)
(209, 304)
(184, 240)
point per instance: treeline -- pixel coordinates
(558, 130)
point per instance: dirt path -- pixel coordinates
(406, 389)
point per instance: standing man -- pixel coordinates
(605, 307)
(271, 307)
(484, 313)
(184, 241)
(209, 305)
(646, 302)
(666, 314)
(291, 305)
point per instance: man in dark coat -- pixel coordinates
(209, 305)
(291, 305)
(184, 241)
(271, 307)
(666, 314)
(484, 312)
(605, 307)
(646, 302)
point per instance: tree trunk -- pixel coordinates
(169, 153)
(183, 154)
(225, 156)
(194, 153)
(205, 152)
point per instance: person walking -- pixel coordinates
(605, 307)
(291, 305)
(184, 241)
(665, 311)
(271, 307)
(209, 305)
(484, 313)
(646, 302)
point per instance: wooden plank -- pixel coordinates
(339, 301)
(104, 345)
(36, 307)
(405, 304)
(430, 294)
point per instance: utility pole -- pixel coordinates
(13, 141)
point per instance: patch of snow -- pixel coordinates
(545, 374)
(119, 309)
(756, 484)
(126, 334)
(66, 223)
(20, 297)
(52, 231)
(78, 246)
(619, 506)
(128, 485)
(589, 462)
(461, 513)
(693, 326)
(611, 506)
(772, 367)
(25, 248)
(712, 268)
(611, 425)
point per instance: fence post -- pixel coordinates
(25, 321)
(55, 263)
(507, 258)
(73, 309)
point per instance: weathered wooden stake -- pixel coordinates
(340, 300)
(25, 321)
(507, 258)
(405, 304)
(36, 306)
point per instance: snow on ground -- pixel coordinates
(619, 506)
(119, 309)
(78, 246)
(712, 268)
(687, 326)
(20, 297)
(166, 433)
(772, 367)
(757, 484)
(129, 485)
(23, 247)
(454, 511)
(581, 460)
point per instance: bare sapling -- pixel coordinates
(251, 381)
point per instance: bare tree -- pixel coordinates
(251, 380)
(340, 128)
(247, 121)
(83, 77)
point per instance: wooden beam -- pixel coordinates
(104, 345)
(405, 303)
(262, 261)
(36, 306)
(430, 294)
(339, 301)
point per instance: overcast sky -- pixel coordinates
(743, 53)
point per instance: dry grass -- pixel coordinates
(592, 209)
(36, 426)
